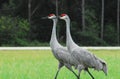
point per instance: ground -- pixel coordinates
(40, 64)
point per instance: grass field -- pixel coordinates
(40, 64)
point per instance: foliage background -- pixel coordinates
(17, 28)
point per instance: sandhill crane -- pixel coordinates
(86, 59)
(60, 53)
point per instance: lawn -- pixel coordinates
(40, 64)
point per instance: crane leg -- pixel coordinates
(89, 73)
(75, 74)
(59, 67)
(70, 68)
(79, 73)
(80, 68)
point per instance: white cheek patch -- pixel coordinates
(51, 17)
(63, 17)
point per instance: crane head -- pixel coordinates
(63, 16)
(50, 16)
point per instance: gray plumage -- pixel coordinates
(60, 53)
(86, 59)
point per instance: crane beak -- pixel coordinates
(46, 17)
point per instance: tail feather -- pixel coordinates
(105, 70)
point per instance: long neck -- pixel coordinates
(54, 40)
(69, 40)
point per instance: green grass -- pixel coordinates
(40, 64)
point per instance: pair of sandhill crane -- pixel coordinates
(73, 55)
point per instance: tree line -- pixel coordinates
(93, 23)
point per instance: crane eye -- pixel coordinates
(63, 15)
(51, 15)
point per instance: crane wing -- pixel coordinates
(66, 57)
(84, 57)
(63, 55)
